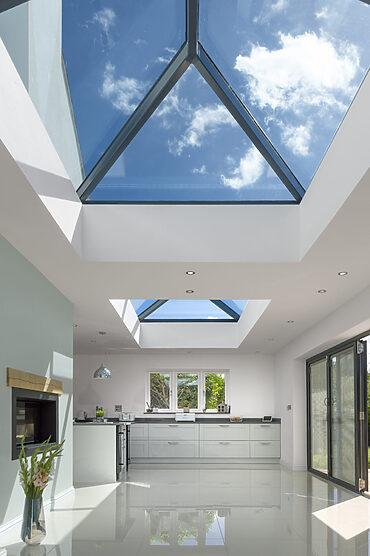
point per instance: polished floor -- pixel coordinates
(238, 512)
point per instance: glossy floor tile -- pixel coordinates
(238, 512)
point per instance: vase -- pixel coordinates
(33, 525)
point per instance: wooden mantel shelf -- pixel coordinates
(30, 381)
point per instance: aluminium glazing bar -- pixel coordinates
(153, 307)
(228, 97)
(8, 4)
(150, 102)
(226, 309)
(192, 26)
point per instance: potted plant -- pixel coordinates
(35, 473)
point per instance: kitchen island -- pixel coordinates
(94, 452)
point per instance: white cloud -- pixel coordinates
(306, 71)
(274, 9)
(202, 170)
(248, 171)
(140, 42)
(123, 92)
(297, 139)
(106, 18)
(204, 120)
(170, 50)
(323, 14)
(162, 60)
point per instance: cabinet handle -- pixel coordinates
(224, 443)
(173, 425)
(172, 443)
(223, 425)
(265, 443)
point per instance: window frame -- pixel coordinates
(201, 388)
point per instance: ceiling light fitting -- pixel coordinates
(343, 273)
(321, 291)
(190, 272)
(102, 373)
(290, 321)
(189, 291)
(101, 332)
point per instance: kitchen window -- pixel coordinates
(172, 391)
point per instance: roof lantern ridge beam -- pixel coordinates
(192, 27)
(244, 118)
(226, 309)
(167, 80)
(153, 307)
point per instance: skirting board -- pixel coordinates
(48, 503)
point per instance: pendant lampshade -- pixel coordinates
(102, 372)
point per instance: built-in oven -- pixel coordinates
(123, 450)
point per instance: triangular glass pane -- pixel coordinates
(114, 51)
(296, 66)
(191, 149)
(141, 304)
(186, 309)
(237, 305)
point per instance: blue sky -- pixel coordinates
(188, 308)
(296, 65)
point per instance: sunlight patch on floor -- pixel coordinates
(349, 518)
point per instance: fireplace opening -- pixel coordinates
(36, 415)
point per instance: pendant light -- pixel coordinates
(102, 373)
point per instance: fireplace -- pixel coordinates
(36, 414)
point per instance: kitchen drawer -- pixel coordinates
(224, 449)
(265, 448)
(265, 431)
(138, 449)
(173, 449)
(224, 431)
(139, 431)
(173, 431)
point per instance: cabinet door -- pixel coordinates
(173, 449)
(224, 431)
(173, 431)
(224, 449)
(138, 449)
(265, 448)
(265, 431)
(139, 431)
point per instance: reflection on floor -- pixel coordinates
(238, 512)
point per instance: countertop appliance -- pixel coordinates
(82, 416)
(126, 417)
(185, 417)
(123, 450)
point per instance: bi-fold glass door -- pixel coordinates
(337, 415)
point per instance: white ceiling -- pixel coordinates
(96, 253)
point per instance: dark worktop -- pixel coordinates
(214, 420)
(169, 420)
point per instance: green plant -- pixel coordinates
(36, 471)
(100, 413)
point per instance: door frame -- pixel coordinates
(361, 433)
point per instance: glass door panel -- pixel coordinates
(343, 416)
(319, 416)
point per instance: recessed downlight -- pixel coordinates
(342, 273)
(290, 321)
(321, 291)
(189, 291)
(190, 272)
(102, 332)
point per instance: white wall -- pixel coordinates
(349, 320)
(32, 34)
(251, 380)
(36, 335)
